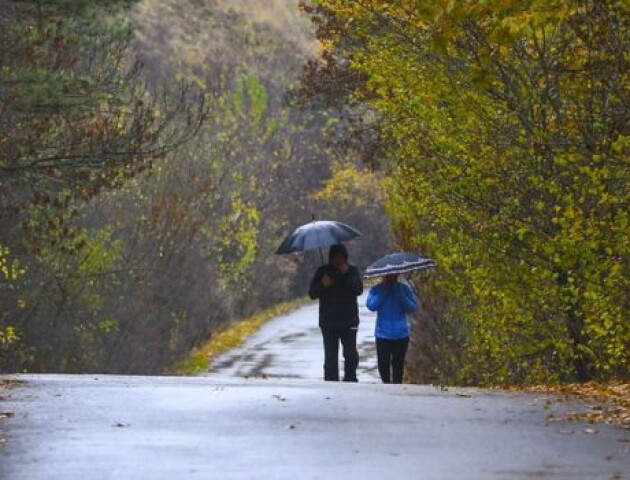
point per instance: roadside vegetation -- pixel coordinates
(501, 131)
(151, 161)
(154, 153)
(231, 336)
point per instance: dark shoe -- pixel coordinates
(355, 380)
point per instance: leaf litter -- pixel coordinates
(606, 403)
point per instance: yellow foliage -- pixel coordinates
(8, 335)
(351, 185)
(10, 269)
(506, 171)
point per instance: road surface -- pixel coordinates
(291, 347)
(288, 424)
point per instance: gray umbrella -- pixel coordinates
(317, 234)
(401, 262)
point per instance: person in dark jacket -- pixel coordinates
(337, 285)
(392, 300)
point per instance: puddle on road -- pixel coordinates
(261, 364)
(291, 337)
(292, 348)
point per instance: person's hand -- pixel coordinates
(344, 267)
(327, 281)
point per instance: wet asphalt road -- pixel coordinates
(282, 422)
(291, 347)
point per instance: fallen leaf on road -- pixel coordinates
(280, 398)
(464, 395)
(290, 427)
(591, 431)
(10, 382)
(7, 414)
(607, 403)
(120, 425)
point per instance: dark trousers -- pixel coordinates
(348, 338)
(391, 359)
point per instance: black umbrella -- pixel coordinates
(317, 235)
(401, 262)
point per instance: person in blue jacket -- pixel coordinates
(392, 300)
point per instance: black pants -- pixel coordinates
(348, 338)
(391, 359)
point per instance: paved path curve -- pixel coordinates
(223, 426)
(291, 346)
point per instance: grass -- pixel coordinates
(231, 337)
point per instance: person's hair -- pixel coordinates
(337, 249)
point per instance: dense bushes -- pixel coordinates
(505, 132)
(147, 176)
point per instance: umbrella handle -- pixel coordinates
(321, 255)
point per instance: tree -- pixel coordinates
(76, 118)
(145, 214)
(506, 129)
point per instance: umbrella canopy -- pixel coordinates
(401, 262)
(317, 234)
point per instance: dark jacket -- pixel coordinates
(338, 303)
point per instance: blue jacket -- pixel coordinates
(392, 305)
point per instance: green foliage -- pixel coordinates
(100, 252)
(258, 97)
(503, 122)
(251, 97)
(238, 242)
(148, 214)
(78, 114)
